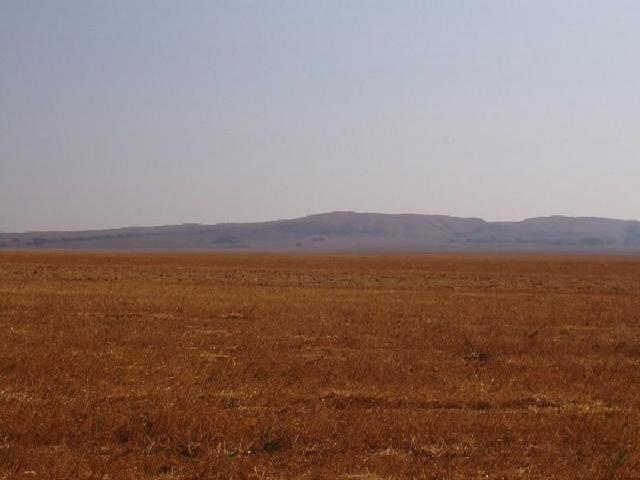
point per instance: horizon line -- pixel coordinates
(565, 216)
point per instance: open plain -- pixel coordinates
(194, 366)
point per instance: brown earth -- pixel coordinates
(122, 366)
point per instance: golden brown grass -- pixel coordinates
(117, 366)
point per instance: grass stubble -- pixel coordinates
(194, 366)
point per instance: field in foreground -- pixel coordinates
(117, 366)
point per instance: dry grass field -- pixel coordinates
(153, 366)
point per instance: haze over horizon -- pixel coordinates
(321, 214)
(117, 113)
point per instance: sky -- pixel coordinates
(130, 112)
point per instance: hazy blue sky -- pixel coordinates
(117, 113)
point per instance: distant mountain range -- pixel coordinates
(353, 232)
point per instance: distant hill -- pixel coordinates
(351, 232)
